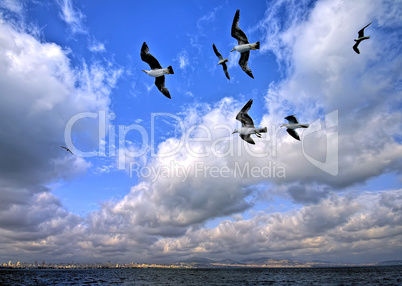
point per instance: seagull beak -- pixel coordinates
(232, 50)
(282, 125)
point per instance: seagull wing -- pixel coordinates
(247, 138)
(291, 119)
(67, 149)
(160, 84)
(361, 32)
(225, 69)
(243, 62)
(237, 33)
(243, 117)
(217, 53)
(355, 47)
(293, 133)
(148, 58)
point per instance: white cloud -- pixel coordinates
(72, 16)
(281, 23)
(171, 184)
(207, 19)
(204, 23)
(14, 6)
(233, 60)
(337, 229)
(325, 74)
(96, 46)
(40, 93)
(183, 59)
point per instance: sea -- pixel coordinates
(379, 275)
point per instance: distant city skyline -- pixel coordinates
(195, 263)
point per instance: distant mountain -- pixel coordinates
(227, 261)
(322, 261)
(256, 262)
(389, 263)
(272, 262)
(196, 260)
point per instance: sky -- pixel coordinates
(161, 180)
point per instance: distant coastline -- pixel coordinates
(197, 263)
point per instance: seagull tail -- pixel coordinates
(304, 125)
(170, 70)
(262, 130)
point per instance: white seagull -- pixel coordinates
(243, 46)
(156, 70)
(247, 125)
(68, 150)
(360, 38)
(292, 125)
(222, 61)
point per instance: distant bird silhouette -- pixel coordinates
(68, 150)
(156, 70)
(222, 61)
(360, 38)
(292, 125)
(243, 46)
(247, 124)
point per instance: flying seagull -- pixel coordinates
(222, 61)
(292, 125)
(360, 38)
(68, 150)
(243, 46)
(156, 70)
(247, 125)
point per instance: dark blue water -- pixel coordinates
(387, 275)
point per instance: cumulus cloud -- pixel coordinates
(325, 75)
(179, 189)
(281, 24)
(40, 92)
(356, 225)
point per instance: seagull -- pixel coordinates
(68, 150)
(222, 61)
(156, 70)
(247, 125)
(244, 46)
(292, 125)
(360, 38)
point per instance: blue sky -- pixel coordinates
(172, 182)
